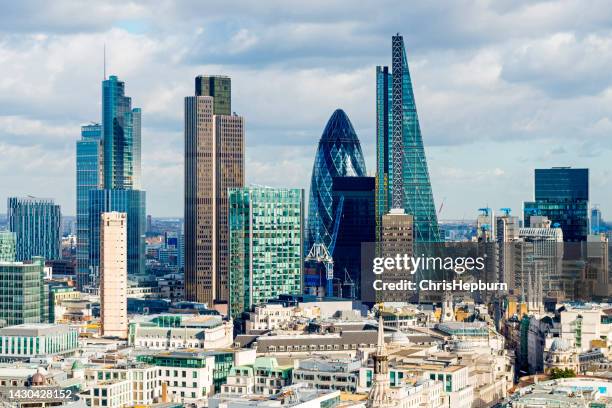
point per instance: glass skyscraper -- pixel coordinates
(562, 195)
(219, 87)
(36, 224)
(338, 155)
(89, 156)
(109, 179)
(402, 178)
(131, 202)
(266, 241)
(7, 246)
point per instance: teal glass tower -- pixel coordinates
(36, 224)
(7, 246)
(24, 296)
(402, 177)
(266, 240)
(89, 159)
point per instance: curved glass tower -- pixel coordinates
(339, 154)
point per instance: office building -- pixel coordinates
(130, 202)
(597, 222)
(89, 159)
(214, 163)
(36, 224)
(266, 241)
(397, 237)
(353, 204)
(562, 195)
(113, 275)
(23, 293)
(7, 246)
(400, 155)
(24, 341)
(338, 155)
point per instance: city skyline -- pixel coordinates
(506, 92)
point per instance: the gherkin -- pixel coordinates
(339, 154)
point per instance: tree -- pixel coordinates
(561, 373)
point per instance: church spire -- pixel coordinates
(379, 393)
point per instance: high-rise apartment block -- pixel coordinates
(113, 275)
(7, 246)
(214, 162)
(562, 195)
(402, 177)
(89, 167)
(36, 224)
(24, 297)
(266, 241)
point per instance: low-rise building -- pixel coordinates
(24, 341)
(328, 374)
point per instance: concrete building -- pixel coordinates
(264, 377)
(294, 396)
(328, 374)
(397, 236)
(113, 278)
(214, 162)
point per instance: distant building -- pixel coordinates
(266, 241)
(322, 373)
(23, 293)
(562, 195)
(214, 163)
(7, 246)
(36, 224)
(113, 275)
(264, 377)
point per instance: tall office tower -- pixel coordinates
(220, 88)
(24, 297)
(338, 155)
(120, 184)
(113, 275)
(36, 224)
(397, 237)
(562, 195)
(122, 137)
(402, 177)
(597, 224)
(266, 241)
(353, 203)
(89, 160)
(7, 246)
(214, 162)
(598, 266)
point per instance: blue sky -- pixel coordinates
(502, 87)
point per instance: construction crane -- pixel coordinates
(505, 210)
(321, 254)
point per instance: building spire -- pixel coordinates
(379, 396)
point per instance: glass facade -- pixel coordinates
(266, 239)
(338, 155)
(7, 246)
(23, 294)
(562, 195)
(353, 202)
(220, 88)
(121, 135)
(36, 224)
(401, 163)
(131, 202)
(88, 177)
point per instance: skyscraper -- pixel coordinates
(402, 178)
(219, 87)
(119, 181)
(113, 276)
(214, 162)
(89, 159)
(562, 195)
(338, 155)
(266, 241)
(36, 224)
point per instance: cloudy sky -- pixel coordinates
(502, 87)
